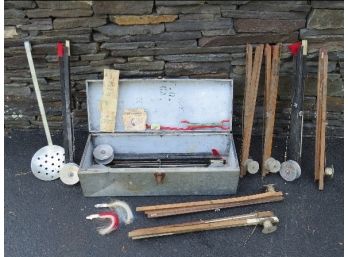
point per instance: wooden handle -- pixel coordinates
(37, 91)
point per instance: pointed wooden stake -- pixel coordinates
(321, 118)
(250, 95)
(271, 92)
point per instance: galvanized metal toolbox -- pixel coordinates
(167, 102)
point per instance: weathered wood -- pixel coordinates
(294, 151)
(323, 64)
(108, 102)
(209, 207)
(207, 202)
(271, 101)
(68, 122)
(249, 104)
(203, 225)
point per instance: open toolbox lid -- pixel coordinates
(167, 102)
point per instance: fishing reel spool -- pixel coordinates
(251, 166)
(272, 165)
(103, 154)
(290, 170)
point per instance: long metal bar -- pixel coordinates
(69, 135)
(37, 91)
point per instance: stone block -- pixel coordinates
(184, 43)
(278, 6)
(90, 48)
(264, 15)
(113, 30)
(222, 23)
(327, 4)
(14, 14)
(199, 16)
(255, 38)
(141, 59)
(131, 45)
(218, 32)
(141, 74)
(122, 7)
(142, 20)
(141, 66)
(228, 3)
(37, 24)
(325, 19)
(165, 36)
(94, 57)
(19, 4)
(199, 9)
(178, 3)
(68, 23)
(275, 26)
(16, 21)
(64, 5)
(42, 13)
(331, 46)
(178, 50)
(73, 31)
(17, 91)
(194, 68)
(195, 58)
(107, 61)
(85, 38)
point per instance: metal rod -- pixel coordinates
(37, 92)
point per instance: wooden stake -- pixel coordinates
(321, 119)
(271, 101)
(203, 225)
(209, 207)
(249, 104)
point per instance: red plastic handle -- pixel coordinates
(60, 49)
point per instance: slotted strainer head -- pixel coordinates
(47, 161)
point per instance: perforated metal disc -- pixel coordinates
(68, 175)
(103, 154)
(47, 162)
(290, 170)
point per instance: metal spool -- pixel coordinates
(252, 166)
(272, 165)
(329, 171)
(47, 162)
(69, 174)
(290, 170)
(103, 154)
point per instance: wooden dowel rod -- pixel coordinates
(216, 201)
(271, 98)
(185, 210)
(249, 107)
(323, 58)
(227, 222)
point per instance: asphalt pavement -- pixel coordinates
(48, 218)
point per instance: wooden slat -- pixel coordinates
(108, 102)
(268, 73)
(209, 207)
(318, 121)
(271, 101)
(206, 202)
(324, 62)
(249, 106)
(227, 222)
